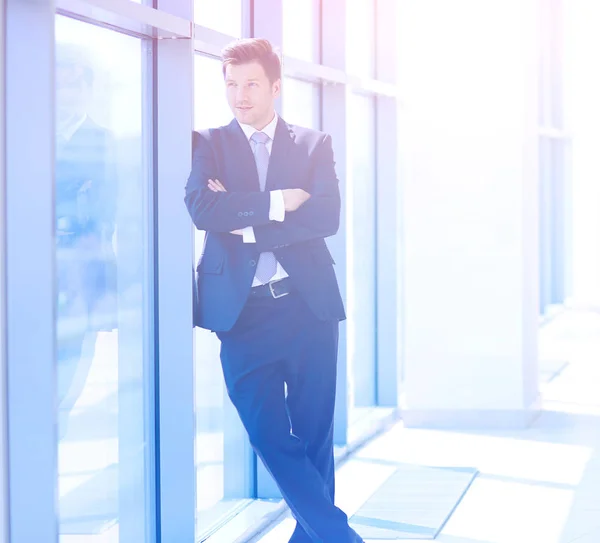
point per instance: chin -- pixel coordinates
(246, 117)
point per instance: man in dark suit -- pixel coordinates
(85, 222)
(267, 195)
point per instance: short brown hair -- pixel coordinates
(249, 50)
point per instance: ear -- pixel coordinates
(276, 88)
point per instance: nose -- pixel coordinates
(241, 95)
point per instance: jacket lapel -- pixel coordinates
(240, 154)
(282, 154)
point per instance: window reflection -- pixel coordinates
(223, 457)
(101, 289)
(361, 240)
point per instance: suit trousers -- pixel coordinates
(279, 343)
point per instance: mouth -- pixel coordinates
(244, 108)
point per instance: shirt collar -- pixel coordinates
(68, 131)
(269, 130)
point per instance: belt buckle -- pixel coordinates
(276, 296)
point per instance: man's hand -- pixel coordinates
(216, 186)
(294, 198)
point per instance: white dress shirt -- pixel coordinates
(277, 208)
(67, 130)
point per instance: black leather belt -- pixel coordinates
(274, 289)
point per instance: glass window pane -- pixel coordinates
(211, 107)
(361, 252)
(300, 29)
(300, 103)
(3, 399)
(223, 456)
(360, 44)
(104, 348)
(225, 16)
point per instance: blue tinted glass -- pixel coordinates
(361, 240)
(223, 456)
(103, 258)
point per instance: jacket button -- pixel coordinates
(245, 213)
(240, 214)
(252, 263)
(251, 213)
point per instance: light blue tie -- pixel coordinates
(267, 263)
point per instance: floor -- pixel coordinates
(539, 485)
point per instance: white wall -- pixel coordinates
(468, 139)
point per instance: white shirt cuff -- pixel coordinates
(248, 235)
(277, 209)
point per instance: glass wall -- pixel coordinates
(555, 193)
(300, 103)
(361, 208)
(223, 454)
(300, 29)
(360, 31)
(361, 220)
(116, 268)
(3, 397)
(103, 266)
(225, 16)
(582, 85)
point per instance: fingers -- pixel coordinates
(212, 185)
(216, 186)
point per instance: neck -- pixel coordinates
(262, 124)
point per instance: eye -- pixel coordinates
(253, 84)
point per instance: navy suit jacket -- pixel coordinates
(86, 204)
(300, 158)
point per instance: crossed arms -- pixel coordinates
(309, 214)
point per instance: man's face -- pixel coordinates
(71, 92)
(250, 94)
